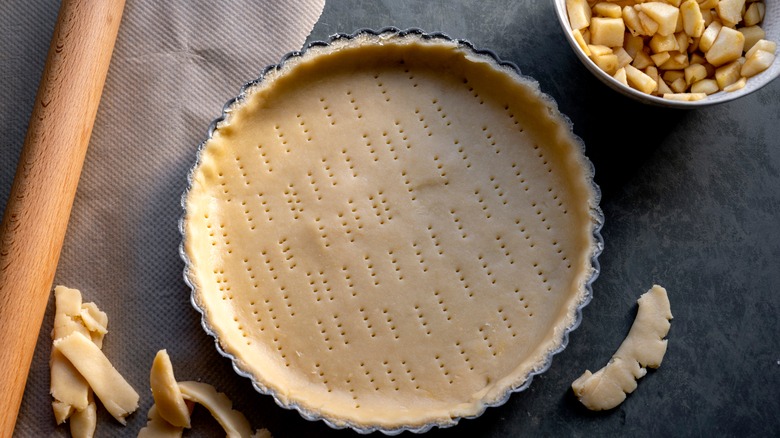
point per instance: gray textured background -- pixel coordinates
(691, 199)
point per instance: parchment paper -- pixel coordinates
(175, 64)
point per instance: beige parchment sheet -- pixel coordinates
(174, 65)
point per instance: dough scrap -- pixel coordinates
(157, 427)
(62, 411)
(166, 393)
(96, 321)
(262, 433)
(69, 389)
(119, 398)
(643, 347)
(83, 423)
(220, 406)
(175, 401)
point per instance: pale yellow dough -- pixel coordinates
(234, 422)
(170, 414)
(118, 397)
(83, 423)
(166, 393)
(157, 427)
(391, 231)
(72, 395)
(96, 321)
(69, 389)
(644, 346)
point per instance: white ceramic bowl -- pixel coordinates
(771, 26)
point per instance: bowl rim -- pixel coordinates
(596, 214)
(761, 79)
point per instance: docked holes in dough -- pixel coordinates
(644, 346)
(119, 398)
(166, 393)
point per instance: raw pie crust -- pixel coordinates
(390, 232)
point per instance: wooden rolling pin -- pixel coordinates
(41, 198)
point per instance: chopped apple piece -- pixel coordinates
(581, 41)
(599, 50)
(679, 86)
(709, 36)
(660, 43)
(759, 61)
(606, 9)
(672, 75)
(631, 18)
(649, 26)
(697, 58)
(640, 81)
(706, 5)
(683, 41)
(662, 87)
(633, 44)
(680, 26)
(693, 22)
(642, 60)
(740, 84)
(620, 76)
(652, 72)
(608, 63)
(727, 47)
(694, 73)
(728, 74)
(685, 97)
(660, 58)
(607, 31)
(754, 14)
(623, 57)
(752, 34)
(706, 86)
(579, 13)
(677, 61)
(767, 46)
(665, 15)
(730, 11)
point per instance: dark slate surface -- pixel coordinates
(692, 202)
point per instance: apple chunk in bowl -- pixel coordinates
(675, 53)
